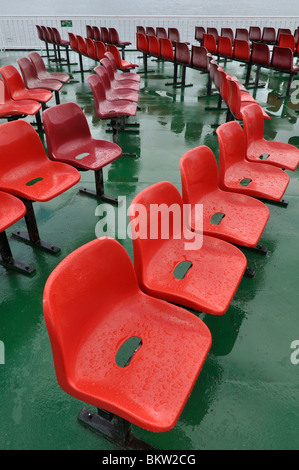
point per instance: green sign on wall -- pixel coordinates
(66, 23)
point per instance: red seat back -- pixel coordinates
(225, 47)
(213, 32)
(253, 123)
(227, 33)
(242, 33)
(98, 90)
(28, 70)
(150, 31)
(199, 174)
(166, 49)
(241, 50)
(115, 52)
(101, 50)
(182, 53)
(209, 42)
(174, 35)
(269, 35)
(73, 41)
(103, 74)
(64, 124)
(255, 33)
(199, 58)
(161, 33)
(113, 36)
(232, 147)
(38, 62)
(199, 32)
(82, 45)
(105, 34)
(96, 33)
(287, 40)
(154, 46)
(282, 58)
(12, 78)
(89, 31)
(141, 42)
(91, 49)
(260, 54)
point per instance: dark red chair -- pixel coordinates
(78, 44)
(105, 34)
(42, 72)
(117, 83)
(161, 33)
(140, 29)
(62, 43)
(242, 33)
(199, 32)
(279, 154)
(48, 42)
(166, 49)
(255, 34)
(227, 33)
(121, 64)
(101, 50)
(121, 76)
(91, 49)
(154, 48)
(90, 362)
(17, 89)
(269, 35)
(213, 32)
(27, 173)
(32, 81)
(96, 33)
(282, 31)
(115, 93)
(182, 58)
(225, 47)
(116, 111)
(114, 39)
(233, 217)
(287, 40)
(69, 140)
(12, 210)
(199, 61)
(282, 59)
(215, 266)
(239, 99)
(260, 56)
(150, 31)
(89, 31)
(238, 175)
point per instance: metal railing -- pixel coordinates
(19, 32)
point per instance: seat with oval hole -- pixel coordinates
(173, 264)
(27, 172)
(259, 149)
(238, 174)
(236, 218)
(69, 141)
(133, 357)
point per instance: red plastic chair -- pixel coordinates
(91, 49)
(260, 56)
(114, 39)
(115, 111)
(216, 268)
(105, 34)
(239, 175)
(116, 83)
(62, 43)
(255, 34)
(239, 99)
(69, 141)
(282, 31)
(227, 33)
(182, 57)
(161, 33)
(241, 50)
(89, 31)
(279, 154)
(112, 93)
(97, 33)
(242, 34)
(209, 42)
(12, 210)
(101, 50)
(199, 32)
(166, 50)
(240, 219)
(287, 40)
(150, 31)
(225, 47)
(15, 109)
(27, 172)
(282, 59)
(17, 89)
(121, 76)
(121, 64)
(42, 72)
(213, 32)
(32, 81)
(89, 361)
(269, 35)
(154, 48)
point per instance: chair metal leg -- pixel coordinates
(113, 428)
(99, 192)
(32, 237)
(7, 260)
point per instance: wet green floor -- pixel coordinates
(247, 394)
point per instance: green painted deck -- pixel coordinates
(247, 394)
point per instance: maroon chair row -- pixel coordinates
(267, 35)
(51, 36)
(87, 47)
(161, 33)
(107, 36)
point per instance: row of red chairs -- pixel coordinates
(96, 50)
(280, 59)
(51, 36)
(172, 34)
(178, 53)
(25, 95)
(152, 285)
(267, 35)
(107, 36)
